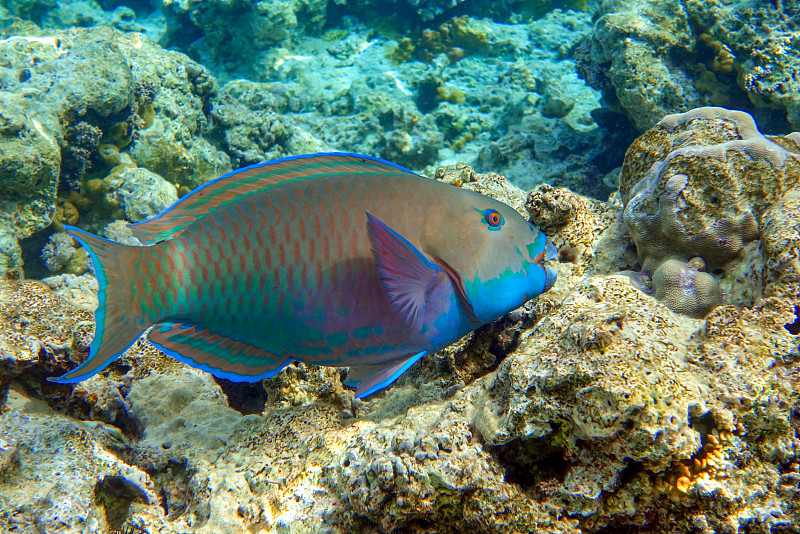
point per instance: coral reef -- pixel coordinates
(249, 120)
(425, 100)
(630, 46)
(596, 408)
(61, 254)
(652, 59)
(90, 488)
(109, 98)
(124, 16)
(239, 29)
(425, 10)
(652, 389)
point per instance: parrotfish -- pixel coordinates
(330, 259)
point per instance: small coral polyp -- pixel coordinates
(702, 186)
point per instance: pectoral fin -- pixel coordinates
(367, 379)
(409, 279)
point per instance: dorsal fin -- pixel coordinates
(237, 184)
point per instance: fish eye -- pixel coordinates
(493, 218)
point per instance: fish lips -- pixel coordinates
(549, 254)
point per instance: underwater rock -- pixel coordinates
(780, 236)
(248, 117)
(173, 117)
(489, 184)
(195, 418)
(30, 161)
(651, 59)
(140, 193)
(351, 91)
(426, 10)
(220, 28)
(61, 254)
(120, 232)
(588, 233)
(81, 13)
(630, 45)
(80, 86)
(34, 321)
(78, 290)
(88, 488)
(10, 254)
(754, 61)
(174, 98)
(705, 184)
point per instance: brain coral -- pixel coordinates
(701, 186)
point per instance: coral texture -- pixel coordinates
(74, 104)
(655, 58)
(699, 188)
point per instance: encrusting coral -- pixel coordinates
(651, 59)
(76, 103)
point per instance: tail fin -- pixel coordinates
(118, 323)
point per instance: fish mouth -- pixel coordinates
(551, 273)
(548, 255)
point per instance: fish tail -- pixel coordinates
(120, 317)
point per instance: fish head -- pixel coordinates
(494, 254)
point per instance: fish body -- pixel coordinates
(331, 259)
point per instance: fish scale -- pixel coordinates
(331, 259)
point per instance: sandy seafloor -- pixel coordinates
(654, 389)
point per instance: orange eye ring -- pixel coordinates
(493, 218)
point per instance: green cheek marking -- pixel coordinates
(538, 244)
(341, 310)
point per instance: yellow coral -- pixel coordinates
(683, 484)
(147, 113)
(454, 96)
(707, 464)
(403, 52)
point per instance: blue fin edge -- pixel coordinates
(377, 387)
(273, 162)
(233, 377)
(99, 314)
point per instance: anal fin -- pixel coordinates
(367, 379)
(219, 355)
